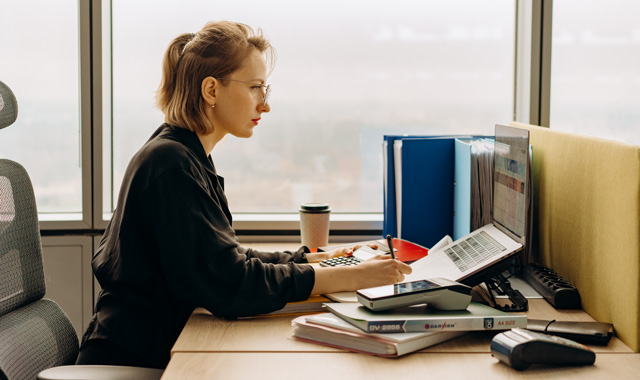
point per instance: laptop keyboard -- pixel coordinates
(473, 250)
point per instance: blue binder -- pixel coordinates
(426, 184)
(390, 224)
(462, 189)
(427, 190)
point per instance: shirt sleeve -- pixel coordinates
(299, 256)
(202, 262)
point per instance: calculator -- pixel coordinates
(361, 254)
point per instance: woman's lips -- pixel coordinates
(255, 121)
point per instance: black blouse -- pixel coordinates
(170, 247)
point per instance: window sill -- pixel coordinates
(281, 224)
(338, 222)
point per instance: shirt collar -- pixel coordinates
(190, 140)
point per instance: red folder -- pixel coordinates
(406, 251)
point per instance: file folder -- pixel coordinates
(419, 187)
(472, 192)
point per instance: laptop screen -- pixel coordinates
(510, 181)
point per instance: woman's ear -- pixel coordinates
(208, 90)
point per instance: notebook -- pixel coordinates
(487, 251)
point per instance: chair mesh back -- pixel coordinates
(21, 270)
(36, 337)
(35, 334)
(8, 106)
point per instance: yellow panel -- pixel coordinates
(587, 222)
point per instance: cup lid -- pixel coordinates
(314, 207)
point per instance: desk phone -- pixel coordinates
(361, 254)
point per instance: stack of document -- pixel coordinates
(396, 332)
(330, 330)
(421, 318)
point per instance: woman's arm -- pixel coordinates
(377, 271)
(298, 256)
(200, 259)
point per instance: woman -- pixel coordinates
(170, 246)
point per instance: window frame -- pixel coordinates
(84, 220)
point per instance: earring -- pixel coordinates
(213, 106)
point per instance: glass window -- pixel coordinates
(39, 61)
(595, 73)
(347, 72)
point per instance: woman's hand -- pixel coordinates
(319, 256)
(377, 271)
(380, 270)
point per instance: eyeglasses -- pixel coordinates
(266, 91)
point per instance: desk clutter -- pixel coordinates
(437, 186)
(401, 331)
(406, 319)
(398, 331)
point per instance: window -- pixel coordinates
(347, 73)
(40, 63)
(595, 82)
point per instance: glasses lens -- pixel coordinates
(267, 92)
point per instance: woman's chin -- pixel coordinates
(244, 134)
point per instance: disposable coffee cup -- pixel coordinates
(314, 224)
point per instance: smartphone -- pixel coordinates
(440, 293)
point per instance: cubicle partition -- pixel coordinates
(587, 222)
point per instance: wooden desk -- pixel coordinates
(263, 348)
(349, 366)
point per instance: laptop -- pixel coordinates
(488, 250)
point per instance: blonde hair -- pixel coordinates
(217, 50)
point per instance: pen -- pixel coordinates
(390, 244)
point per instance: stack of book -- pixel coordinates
(330, 330)
(397, 332)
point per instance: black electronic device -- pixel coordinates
(598, 333)
(555, 289)
(520, 348)
(437, 292)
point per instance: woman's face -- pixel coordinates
(239, 99)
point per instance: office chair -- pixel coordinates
(37, 339)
